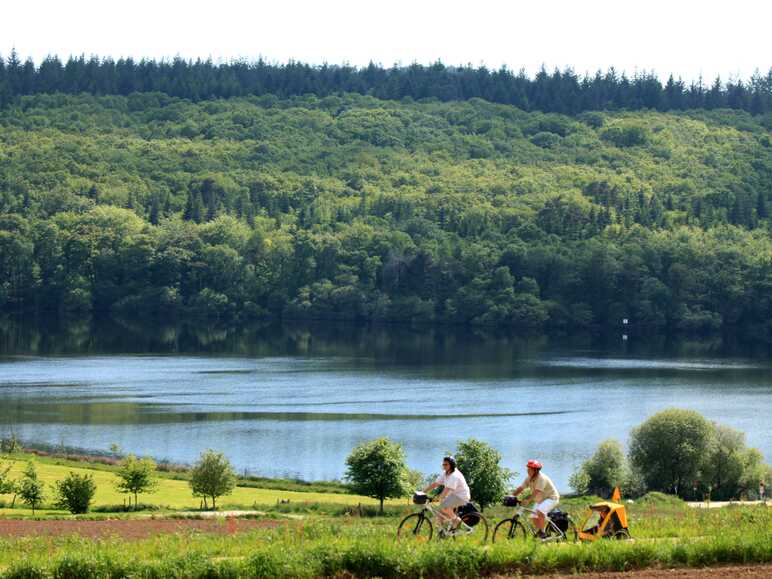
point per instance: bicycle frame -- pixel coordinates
(549, 524)
(434, 513)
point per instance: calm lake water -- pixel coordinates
(293, 402)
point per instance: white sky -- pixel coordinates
(685, 37)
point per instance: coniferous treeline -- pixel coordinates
(560, 91)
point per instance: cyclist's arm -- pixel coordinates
(431, 487)
(518, 490)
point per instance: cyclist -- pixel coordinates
(543, 492)
(454, 494)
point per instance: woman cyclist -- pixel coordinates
(543, 492)
(454, 494)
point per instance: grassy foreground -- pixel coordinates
(366, 547)
(666, 533)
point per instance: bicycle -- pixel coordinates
(418, 526)
(519, 526)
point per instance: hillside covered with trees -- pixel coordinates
(348, 206)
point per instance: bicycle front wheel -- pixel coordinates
(509, 529)
(415, 527)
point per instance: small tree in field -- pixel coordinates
(136, 476)
(30, 487)
(377, 469)
(75, 492)
(212, 476)
(8, 486)
(487, 479)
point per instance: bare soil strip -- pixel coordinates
(129, 529)
(720, 572)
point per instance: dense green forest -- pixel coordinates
(352, 207)
(557, 92)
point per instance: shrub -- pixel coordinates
(670, 448)
(75, 493)
(603, 470)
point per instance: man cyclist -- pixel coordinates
(454, 494)
(543, 492)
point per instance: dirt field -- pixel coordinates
(743, 572)
(128, 529)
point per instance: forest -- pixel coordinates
(353, 207)
(558, 91)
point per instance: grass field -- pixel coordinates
(171, 493)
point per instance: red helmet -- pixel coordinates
(534, 464)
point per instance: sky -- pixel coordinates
(684, 37)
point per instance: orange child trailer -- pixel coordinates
(606, 519)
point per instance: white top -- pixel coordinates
(456, 484)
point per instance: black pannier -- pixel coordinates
(510, 501)
(469, 514)
(560, 519)
(420, 498)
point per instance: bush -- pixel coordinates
(603, 471)
(670, 448)
(75, 493)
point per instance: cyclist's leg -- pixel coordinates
(448, 508)
(542, 508)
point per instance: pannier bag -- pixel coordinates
(510, 501)
(469, 514)
(560, 519)
(420, 498)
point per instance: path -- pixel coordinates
(719, 504)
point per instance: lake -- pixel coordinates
(285, 401)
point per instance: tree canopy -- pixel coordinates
(351, 207)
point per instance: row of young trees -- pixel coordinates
(210, 478)
(558, 91)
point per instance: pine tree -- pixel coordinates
(193, 207)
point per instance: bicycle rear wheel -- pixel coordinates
(480, 529)
(415, 527)
(509, 529)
